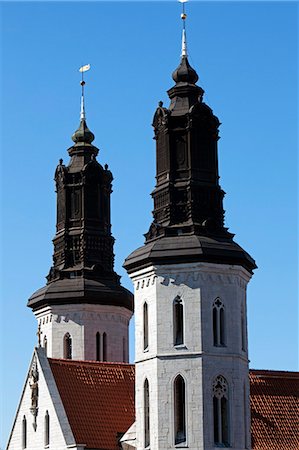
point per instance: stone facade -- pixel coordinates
(34, 410)
(83, 322)
(197, 360)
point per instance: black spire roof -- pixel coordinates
(188, 211)
(83, 260)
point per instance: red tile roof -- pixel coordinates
(98, 399)
(274, 398)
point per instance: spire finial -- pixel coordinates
(82, 70)
(83, 134)
(184, 39)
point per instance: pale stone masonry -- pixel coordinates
(61, 436)
(198, 361)
(83, 322)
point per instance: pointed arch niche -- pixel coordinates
(178, 321)
(218, 323)
(145, 326)
(24, 433)
(146, 414)
(179, 391)
(67, 346)
(221, 411)
(47, 429)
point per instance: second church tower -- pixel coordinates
(190, 279)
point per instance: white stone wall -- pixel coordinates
(197, 360)
(83, 322)
(61, 436)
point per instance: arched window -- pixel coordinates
(104, 347)
(178, 321)
(243, 330)
(24, 432)
(245, 417)
(145, 326)
(124, 350)
(218, 323)
(98, 346)
(45, 344)
(146, 415)
(220, 407)
(179, 410)
(47, 429)
(67, 346)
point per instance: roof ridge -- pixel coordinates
(89, 362)
(274, 373)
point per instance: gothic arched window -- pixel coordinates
(178, 321)
(98, 346)
(104, 347)
(146, 415)
(124, 350)
(47, 429)
(145, 326)
(220, 410)
(218, 323)
(67, 346)
(179, 410)
(24, 432)
(243, 330)
(245, 416)
(45, 344)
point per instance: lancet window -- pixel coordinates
(104, 347)
(47, 429)
(178, 321)
(146, 415)
(98, 346)
(243, 330)
(179, 410)
(221, 411)
(67, 346)
(45, 344)
(145, 326)
(218, 323)
(24, 432)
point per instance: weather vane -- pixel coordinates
(82, 70)
(184, 17)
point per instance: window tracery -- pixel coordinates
(218, 323)
(220, 411)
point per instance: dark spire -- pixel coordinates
(184, 73)
(83, 133)
(83, 260)
(188, 210)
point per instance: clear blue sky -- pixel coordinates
(246, 58)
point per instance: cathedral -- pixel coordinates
(191, 386)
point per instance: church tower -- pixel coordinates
(190, 279)
(83, 312)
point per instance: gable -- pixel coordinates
(39, 397)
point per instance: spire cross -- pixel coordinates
(82, 70)
(183, 17)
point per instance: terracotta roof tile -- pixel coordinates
(98, 399)
(274, 398)
(99, 402)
